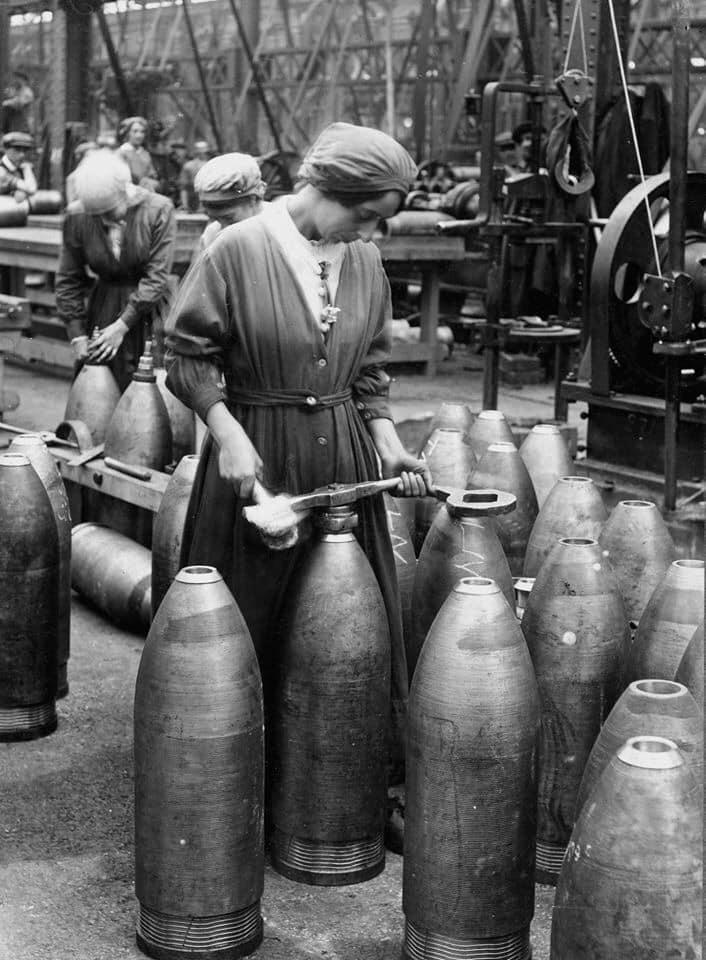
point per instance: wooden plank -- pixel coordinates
(41, 298)
(34, 248)
(421, 249)
(574, 390)
(44, 350)
(414, 353)
(97, 476)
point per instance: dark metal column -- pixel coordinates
(4, 45)
(681, 16)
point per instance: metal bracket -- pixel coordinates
(666, 306)
(575, 88)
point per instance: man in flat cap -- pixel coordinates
(16, 175)
(230, 189)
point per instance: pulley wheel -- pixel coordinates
(624, 255)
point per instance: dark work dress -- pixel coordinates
(136, 287)
(241, 312)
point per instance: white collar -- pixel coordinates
(287, 233)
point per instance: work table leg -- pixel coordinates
(429, 315)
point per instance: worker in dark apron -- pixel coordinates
(115, 264)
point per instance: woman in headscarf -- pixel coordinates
(125, 235)
(292, 309)
(230, 189)
(133, 133)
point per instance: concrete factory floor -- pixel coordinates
(66, 801)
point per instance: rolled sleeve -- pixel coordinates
(371, 389)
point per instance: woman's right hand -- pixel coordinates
(238, 461)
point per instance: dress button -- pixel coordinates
(311, 401)
(360, 405)
(322, 362)
(322, 441)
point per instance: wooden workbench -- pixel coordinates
(36, 247)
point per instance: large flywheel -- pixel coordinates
(623, 256)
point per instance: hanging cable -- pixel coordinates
(577, 11)
(633, 131)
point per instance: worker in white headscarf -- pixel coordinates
(125, 235)
(230, 189)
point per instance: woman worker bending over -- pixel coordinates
(125, 236)
(293, 308)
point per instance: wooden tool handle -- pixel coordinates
(139, 473)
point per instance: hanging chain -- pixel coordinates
(633, 131)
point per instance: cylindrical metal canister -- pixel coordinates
(413, 223)
(547, 458)
(490, 426)
(640, 549)
(168, 528)
(330, 715)
(650, 708)
(463, 542)
(114, 573)
(93, 397)
(29, 604)
(690, 671)
(199, 777)
(181, 419)
(34, 448)
(405, 565)
(453, 416)
(667, 625)
(45, 201)
(139, 432)
(574, 508)
(450, 460)
(468, 886)
(12, 213)
(501, 468)
(631, 882)
(577, 633)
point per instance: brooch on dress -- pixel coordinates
(329, 315)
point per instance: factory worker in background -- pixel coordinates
(230, 189)
(125, 235)
(133, 133)
(16, 174)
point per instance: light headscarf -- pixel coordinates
(101, 181)
(349, 160)
(230, 176)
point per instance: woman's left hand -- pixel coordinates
(108, 342)
(415, 475)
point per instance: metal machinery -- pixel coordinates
(528, 210)
(646, 319)
(643, 316)
(525, 210)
